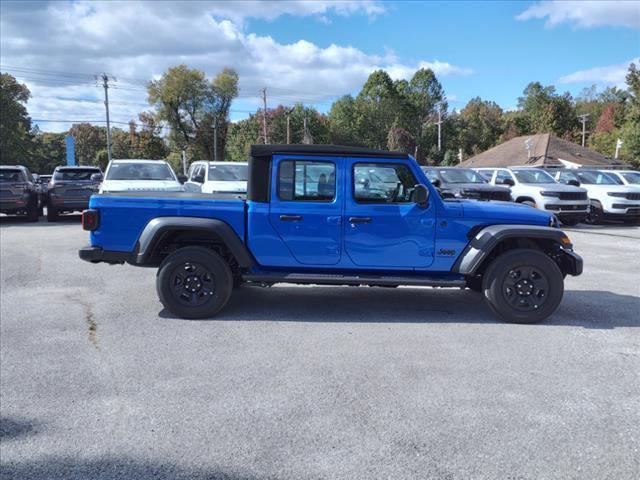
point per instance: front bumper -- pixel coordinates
(98, 255)
(572, 263)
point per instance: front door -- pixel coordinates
(306, 209)
(383, 226)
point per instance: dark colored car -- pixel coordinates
(70, 189)
(454, 182)
(18, 192)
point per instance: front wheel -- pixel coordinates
(194, 282)
(595, 215)
(523, 286)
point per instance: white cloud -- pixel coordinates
(137, 41)
(610, 75)
(585, 14)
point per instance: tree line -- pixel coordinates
(190, 113)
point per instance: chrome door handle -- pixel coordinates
(290, 218)
(359, 219)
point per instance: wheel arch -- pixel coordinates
(525, 198)
(491, 241)
(162, 235)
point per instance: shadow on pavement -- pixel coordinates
(10, 221)
(106, 468)
(11, 428)
(585, 308)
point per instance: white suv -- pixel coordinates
(218, 177)
(609, 200)
(630, 178)
(133, 175)
(535, 187)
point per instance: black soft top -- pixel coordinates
(341, 150)
(261, 156)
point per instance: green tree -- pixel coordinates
(15, 124)
(48, 150)
(192, 106)
(376, 109)
(342, 122)
(548, 112)
(89, 139)
(481, 124)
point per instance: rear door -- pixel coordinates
(383, 226)
(306, 208)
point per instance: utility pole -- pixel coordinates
(105, 83)
(439, 123)
(215, 139)
(264, 115)
(619, 143)
(288, 112)
(583, 119)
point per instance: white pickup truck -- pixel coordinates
(535, 187)
(609, 200)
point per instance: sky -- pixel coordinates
(308, 51)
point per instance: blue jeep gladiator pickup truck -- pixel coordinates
(324, 214)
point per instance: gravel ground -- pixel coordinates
(97, 381)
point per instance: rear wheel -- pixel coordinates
(194, 282)
(523, 286)
(32, 211)
(52, 214)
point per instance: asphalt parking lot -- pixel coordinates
(97, 381)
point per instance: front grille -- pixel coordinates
(573, 195)
(633, 196)
(565, 208)
(504, 196)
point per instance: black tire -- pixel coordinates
(570, 222)
(523, 286)
(595, 216)
(194, 282)
(52, 214)
(32, 211)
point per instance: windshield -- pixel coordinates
(632, 177)
(533, 175)
(140, 171)
(461, 175)
(75, 173)
(592, 177)
(7, 175)
(228, 173)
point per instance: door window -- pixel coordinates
(301, 180)
(382, 183)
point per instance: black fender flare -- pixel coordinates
(483, 243)
(156, 228)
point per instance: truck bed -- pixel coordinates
(123, 215)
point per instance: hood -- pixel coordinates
(231, 186)
(515, 213)
(474, 186)
(141, 186)
(556, 187)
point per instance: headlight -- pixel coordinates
(550, 194)
(617, 194)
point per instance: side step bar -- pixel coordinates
(327, 279)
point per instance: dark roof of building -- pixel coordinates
(333, 150)
(544, 149)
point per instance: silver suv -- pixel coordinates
(535, 187)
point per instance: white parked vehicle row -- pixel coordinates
(608, 199)
(218, 177)
(140, 176)
(535, 187)
(625, 177)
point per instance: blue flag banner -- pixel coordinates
(71, 150)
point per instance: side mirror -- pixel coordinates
(96, 177)
(421, 195)
(182, 178)
(509, 182)
(575, 183)
(436, 182)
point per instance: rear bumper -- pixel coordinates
(98, 255)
